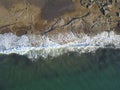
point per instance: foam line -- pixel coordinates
(35, 46)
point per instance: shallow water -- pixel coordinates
(71, 71)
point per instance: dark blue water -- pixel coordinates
(71, 71)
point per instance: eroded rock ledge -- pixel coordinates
(59, 16)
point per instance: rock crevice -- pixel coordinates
(59, 16)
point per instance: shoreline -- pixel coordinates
(50, 47)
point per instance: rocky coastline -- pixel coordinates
(58, 16)
(52, 27)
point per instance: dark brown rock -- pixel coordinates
(5, 30)
(56, 8)
(21, 32)
(117, 28)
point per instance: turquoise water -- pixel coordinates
(71, 71)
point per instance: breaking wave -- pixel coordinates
(35, 46)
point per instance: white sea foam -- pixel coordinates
(35, 46)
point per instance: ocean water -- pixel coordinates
(69, 71)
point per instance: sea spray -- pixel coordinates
(35, 46)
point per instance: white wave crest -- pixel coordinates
(35, 46)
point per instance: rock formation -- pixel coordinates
(59, 16)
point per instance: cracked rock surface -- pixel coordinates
(48, 17)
